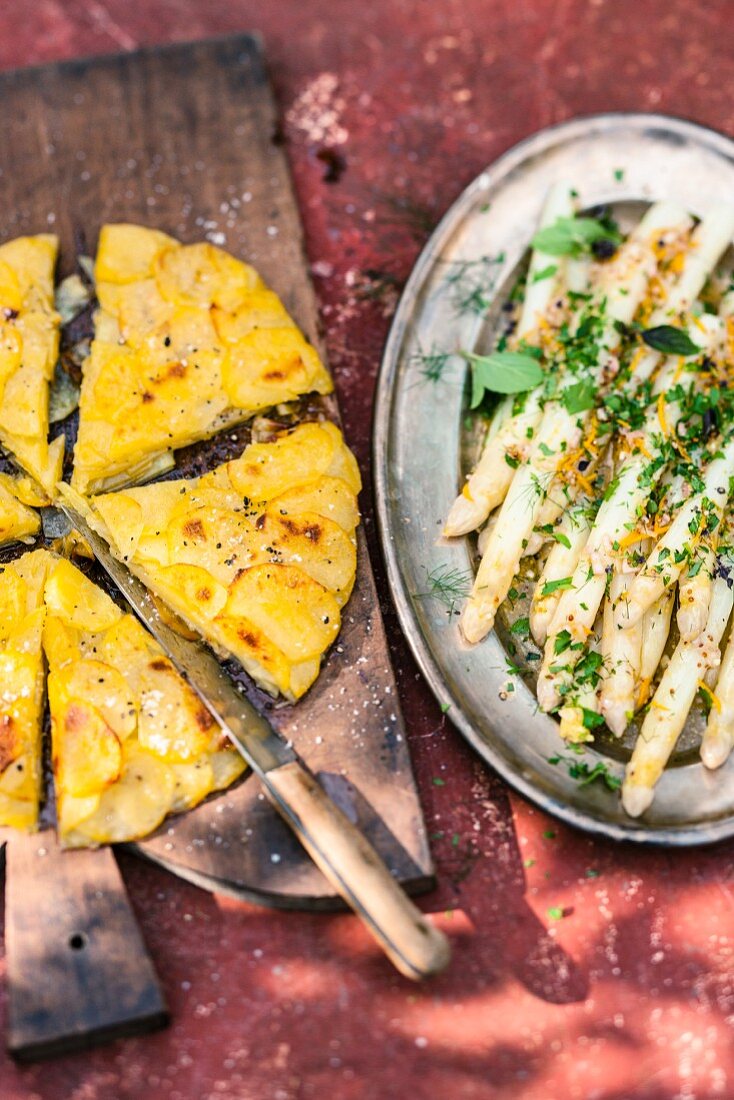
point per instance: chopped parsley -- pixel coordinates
(555, 586)
(572, 236)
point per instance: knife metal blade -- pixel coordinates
(337, 847)
(250, 733)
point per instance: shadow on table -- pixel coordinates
(485, 879)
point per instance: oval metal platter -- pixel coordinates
(424, 445)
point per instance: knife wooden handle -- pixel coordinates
(356, 871)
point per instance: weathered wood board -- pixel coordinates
(78, 970)
(185, 139)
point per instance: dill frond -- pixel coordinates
(448, 585)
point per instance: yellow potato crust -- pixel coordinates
(21, 701)
(188, 340)
(29, 345)
(131, 742)
(259, 556)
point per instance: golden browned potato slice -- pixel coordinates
(188, 340)
(22, 677)
(131, 741)
(259, 555)
(29, 345)
(18, 521)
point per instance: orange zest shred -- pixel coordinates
(658, 706)
(588, 443)
(636, 359)
(730, 334)
(643, 691)
(715, 701)
(630, 538)
(584, 483)
(676, 264)
(661, 414)
(570, 459)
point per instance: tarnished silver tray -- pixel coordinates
(424, 444)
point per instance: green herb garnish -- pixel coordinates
(579, 397)
(448, 585)
(471, 283)
(545, 273)
(591, 720)
(670, 340)
(572, 236)
(554, 586)
(432, 364)
(502, 372)
(584, 774)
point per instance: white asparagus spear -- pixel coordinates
(487, 486)
(655, 631)
(622, 653)
(560, 563)
(577, 274)
(718, 737)
(671, 703)
(665, 564)
(707, 243)
(556, 504)
(484, 534)
(622, 288)
(580, 600)
(643, 366)
(573, 728)
(695, 587)
(539, 293)
(614, 519)
(710, 238)
(705, 247)
(561, 498)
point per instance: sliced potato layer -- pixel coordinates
(131, 741)
(187, 340)
(22, 677)
(258, 555)
(29, 345)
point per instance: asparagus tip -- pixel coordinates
(636, 799)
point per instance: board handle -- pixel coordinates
(356, 871)
(78, 970)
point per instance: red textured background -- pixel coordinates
(630, 996)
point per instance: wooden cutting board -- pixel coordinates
(185, 138)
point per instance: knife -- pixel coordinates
(336, 846)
